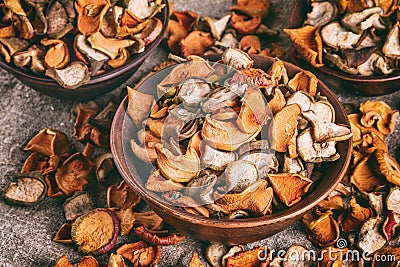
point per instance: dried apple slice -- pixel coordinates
(90, 15)
(74, 174)
(49, 142)
(147, 153)
(388, 167)
(237, 59)
(250, 44)
(195, 261)
(57, 20)
(139, 106)
(157, 183)
(181, 168)
(162, 239)
(289, 187)
(393, 200)
(151, 31)
(225, 135)
(216, 159)
(63, 262)
(323, 230)
(355, 216)
(29, 189)
(366, 176)
(108, 46)
(245, 25)
(252, 7)
(175, 32)
(33, 57)
(195, 43)
(370, 238)
(10, 46)
(304, 81)
(149, 220)
(122, 196)
(140, 253)
(96, 232)
(277, 102)
(57, 56)
(95, 57)
(284, 127)
(257, 198)
(74, 75)
(116, 260)
(104, 166)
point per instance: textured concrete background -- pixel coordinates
(26, 232)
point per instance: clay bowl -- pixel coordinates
(238, 231)
(337, 79)
(97, 85)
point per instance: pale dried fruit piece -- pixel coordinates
(29, 189)
(355, 216)
(257, 198)
(88, 261)
(380, 113)
(163, 239)
(10, 46)
(195, 43)
(216, 159)
(116, 260)
(252, 7)
(264, 161)
(157, 183)
(309, 42)
(78, 204)
(355, 120)
(143, 8)
(95, 57)
(231, 252)
(140, 253)
(246, 258)
(236, 59)
(122, 196)
(278, 72)
(74, 174)
(96, 232)
(57, 20)
(109, 46)
(151, 31)
(15, 7)
(388, 167)
(296, 256)
(311, 151)
(289, 187)
(284, 127)
(322, 230)
(225, 135)
(33, 57)
(63, 234)
(304, 81)
(74, 75)
(183, 71)
(244, 25)
(57, 56)
(193, 90)
(90, 15)
(393, 200)
(147, 153)
(214, 254)
(139, 106)
(366, 176)
(391, 48)
(253, 146)
(195, 261)
(49, 142)
(238, 176)
(321, 13)
(119, 61)
(370, 238)
(201, 188)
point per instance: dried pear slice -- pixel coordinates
(157, 183)
(29, 189)
(147, 153)
(380, 113)
(74, 75)
(237, 59)
(304, 81)
(290, 187)
(116, 260)
(96, 232)
(95, 57)
(388, 166)
(108, 46)
(195, 261)
(284, 127)
(238, 176)
(181, 168)
(355, 216)
(225, 135)
(247, 258)
(90, 15)
(265, 162)
(366, 177)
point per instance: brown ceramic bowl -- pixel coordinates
(337, 79)
(97, 85)
(238, 231)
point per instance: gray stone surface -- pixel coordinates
(26, 232)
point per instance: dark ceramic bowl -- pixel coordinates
(238, 231)
(337, 79)
(97, 85)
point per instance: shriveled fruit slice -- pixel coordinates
(238, 175)
(96, 58)
(139, 106)
(323, 230)
(380, 113)
(195, 261)
(366, 177)
(355, 216)
(157, 183)
(48, 142)
(108, 46)
(63, 234)
(91, 14)
(29, 189)
(74, 75)
(122, 196)
(96, 232)
(216, 159)
(247, 258)
(393, 200)
(290, 187)
(116, 260)
(80, 203)
(370, 239)
(57, 55)
(388, 166)
(140, 253)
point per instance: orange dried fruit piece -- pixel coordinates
(249, 258)
(157, 183)
(109, 46)
(91, 14)
(385, 253)
(308, 41)
(122, 196)
(43, 164)
(355, 216)
(366, 176)
(49, 142)
(388, 166)
(139, 106)
(257, 198)
(379, 113)
(334, 203)
(250, 44)
(195, 43)
(116, 260)
(277, 102)
(175, 32)
(289, 187)
(82, 127)
(57, 56)
(88, 261)
(355, 120)
(304, 81)
(140, 254)
(74, 173)
(323, 230)
(95, 232)
(63, 262)
(284, 127)
(126, 220)
(371, 142)
(252, 7)
(63, 234)
(195, 261)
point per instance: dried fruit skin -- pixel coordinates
(49, 142)
(169, 239)
(388, 167)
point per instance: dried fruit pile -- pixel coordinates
(189, 33)
(70, 41)
(356, 36)
(220, 147)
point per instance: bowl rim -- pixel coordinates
(180, 214)
(134, 62)
(335, 72)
